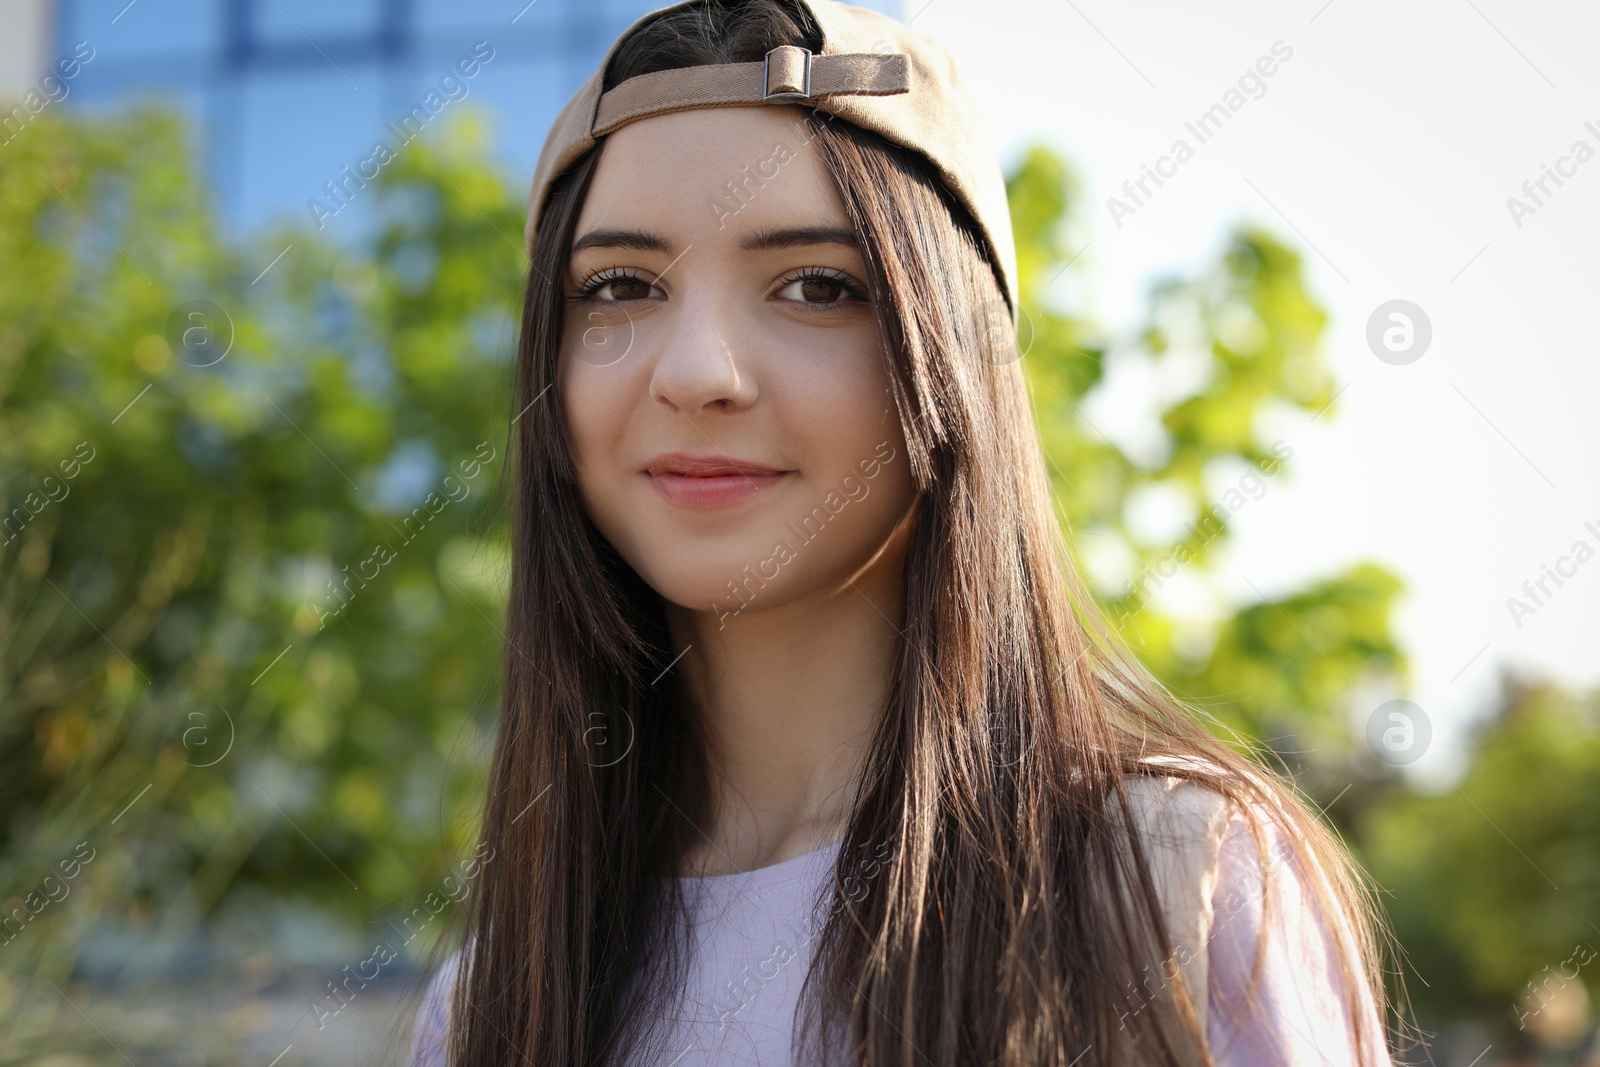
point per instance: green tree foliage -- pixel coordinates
(263, 610)
(1495, 881)
(1246, 335)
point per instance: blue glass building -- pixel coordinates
(286, 93)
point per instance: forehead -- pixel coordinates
(715, 172)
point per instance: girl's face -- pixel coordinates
(735, 435)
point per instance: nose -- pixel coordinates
(704, 362)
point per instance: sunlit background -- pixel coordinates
(226, 778)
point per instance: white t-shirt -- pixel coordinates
(754, 939)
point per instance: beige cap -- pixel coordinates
(873, 71)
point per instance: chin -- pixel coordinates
(716, 580)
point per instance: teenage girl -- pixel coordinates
(813, 747)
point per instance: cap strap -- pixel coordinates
(788, 74)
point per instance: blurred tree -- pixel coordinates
(1226, 352)
(248, 587)
(1495, 881)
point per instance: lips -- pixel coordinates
(702, 466)
(707, 481)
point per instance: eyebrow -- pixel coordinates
(763, 240)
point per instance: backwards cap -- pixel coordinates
(872, 71)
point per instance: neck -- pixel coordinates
(789, 697)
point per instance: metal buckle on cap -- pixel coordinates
(785, 90)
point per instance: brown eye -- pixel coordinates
(614, 286)
(822, 288)
(627, 289)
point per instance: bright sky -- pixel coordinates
(1384, 149)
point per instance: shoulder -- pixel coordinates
(1180, 825)
(1180, 821)
(1175, 811)
(428, 1038)
(1185, 818)
(1286, 982)
(1255, 925)
(1205, 847)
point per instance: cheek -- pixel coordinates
(847, 421)
(848, 417)
(597, 404)
(599, 383)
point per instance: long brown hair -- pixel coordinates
(1005, 921)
